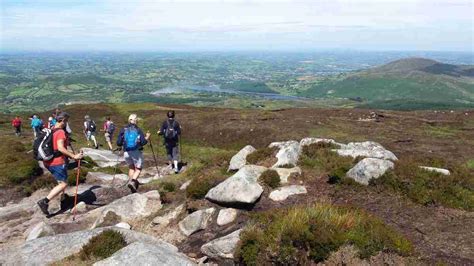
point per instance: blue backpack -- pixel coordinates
(131, 138)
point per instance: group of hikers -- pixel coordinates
(130, 140)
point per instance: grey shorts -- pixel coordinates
(134, 158)
(108, 137)
(172, 152)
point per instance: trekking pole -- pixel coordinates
(154, 157)
(77, 188)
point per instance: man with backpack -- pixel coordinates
(89, 131)
(51, 148)
(171, 131)
(132, 140)
(16, 123)
(109, 129)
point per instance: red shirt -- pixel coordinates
(16, 122)
(60, 160)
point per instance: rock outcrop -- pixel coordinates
(223, 247)
(226, 216)
(283, 193)
(288, 153)
(196, 221)
(240, 188)
(285, 173)
(367, 149)
(41, 229)
(103, 158)
(240, 159)
(368, 169)
(437, 170)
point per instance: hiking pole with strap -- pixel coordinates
(77, 188)
(154, 157)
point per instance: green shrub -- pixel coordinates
(320, 158)
(426, 187)
(261, 155)
(103, 245)
(199, 186)
(72, 175)
(44, 181)
(168, 187)
(271, 178)
(299, 235)
(23, 171)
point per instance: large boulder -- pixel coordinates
(309, 141)
(46, 250)
(223, 247)
(226, 216)
(106, 177)
(283, 193)
(241, 188)
(196, 221)
(41, 229)
(285, 173)
(367, 149)
(139, 253)
(129, 207)
(436, 170)
(240, 159)
(288, 153)
(368, 169)
(103, 158)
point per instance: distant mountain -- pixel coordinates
(412, 83)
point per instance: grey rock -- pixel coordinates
(285, 173)
(240, 159)
(41, 229)
(242, 187)
(168, 217)
(283, 193)
(103, 158)
(226, 216)
(185, 185)
(223, 247)
(368, 149)
(106, 177)
(81, 207)
(437, 170)
(123, 225)
(368, 169)
(288, 154)
(196, 221)
(146, 254)
(309, 141)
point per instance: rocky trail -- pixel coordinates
(174, 234)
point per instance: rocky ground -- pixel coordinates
(184, 232)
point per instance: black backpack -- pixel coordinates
(43, 146)
(170, 131)
(111, 128)
(91, 126)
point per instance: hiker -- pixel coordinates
(58, 165)
(89, 131)
(171, 131)
(36, 124)
(50, 123)
(132, 140)
(16, 123)
(109, 129)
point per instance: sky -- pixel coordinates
(216, 25)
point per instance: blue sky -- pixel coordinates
(144, 25)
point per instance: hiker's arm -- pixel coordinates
(143, 138)
(63, 150)
(162, 129)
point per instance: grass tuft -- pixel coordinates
(270, 178)
(103, 245)
(260, 156)
(305, 234)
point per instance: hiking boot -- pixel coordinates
(176, 171)
(133, 186)
(43, 205)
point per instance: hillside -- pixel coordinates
(413, 83)
(407, 216)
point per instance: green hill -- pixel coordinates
(413, 83)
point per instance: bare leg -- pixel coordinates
(136, 174)
(110, 145)
(131, 171)
(58, 189)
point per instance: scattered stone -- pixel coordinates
(240, 159)
(196, 221)
(103, 158)
(369, 168)
(284, 192)
(226, 216)
(368, 149)
(309, 141)
(437, 170)
(285, 173)
(288, 154)
(185, 185)
(242, 187)
(124, 225)
(40, 230)
(167, 218)
(146, 254)
(223, 247)
(153, 195)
